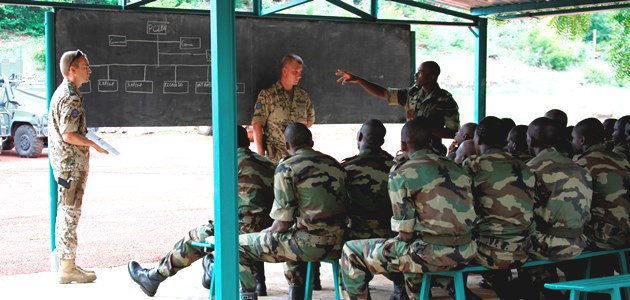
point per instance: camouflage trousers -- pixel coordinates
(368, 229)
(495, 253)
(184, 253)
(292, 247)
(69, 202)
(361, 259)
(276, 152)
(546, 246)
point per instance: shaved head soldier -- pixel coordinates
(432, 235)
(563, 143)
(517, 143)
(559, 218)
(464, 151)
(466, 132)
(619, 137)
(609, 226)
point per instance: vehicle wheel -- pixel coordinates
(7, 144)
(27, 144)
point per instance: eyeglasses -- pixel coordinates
(77, 55)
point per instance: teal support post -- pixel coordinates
(374, 9)
(412, 38)
(481, 60)
(51, 59)
(222, 32)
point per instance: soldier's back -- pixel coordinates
(255, 182)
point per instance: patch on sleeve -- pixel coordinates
(74, 113)
(258, 105)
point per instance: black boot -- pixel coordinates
(249, 296)
(208, 264)
(259, 275)
(399, 292)
(296, 292)
(317, 283)
(148, 279)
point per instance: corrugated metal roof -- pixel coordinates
(495, 7)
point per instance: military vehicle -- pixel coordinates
(23, 120)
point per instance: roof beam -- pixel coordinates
(138, 3)
(564, 11)
(58, 4)
(526, 6)
(437, 9)
(351, 9)
(280, 7)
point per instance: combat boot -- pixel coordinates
(208, 264)
(296, 292)
(399, 292)
(68, 273)
(317, 283)
(259, 275)
(249, 296)
(148, 279)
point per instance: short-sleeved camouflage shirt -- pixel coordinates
(275, 109)
(310, 190)
(622, 150)
(67, 114)
(438, 106)
(255, 183)
(609, 227)
(432, 197)
(563, 191)
(368, 197)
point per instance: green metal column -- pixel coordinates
(481, 60)
(49, 17)
(223, 49)
(414, 68)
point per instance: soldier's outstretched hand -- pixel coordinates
(345, 77)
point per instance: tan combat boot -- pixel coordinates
(69, 273)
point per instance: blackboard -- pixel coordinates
(153, 69)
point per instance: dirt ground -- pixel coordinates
(137, 204)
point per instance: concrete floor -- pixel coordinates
(114, 283)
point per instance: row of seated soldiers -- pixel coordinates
(421, 212)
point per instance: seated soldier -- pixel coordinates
(503, 191)
(255, 186)
(466, 132)
(609, 227)
(609, 128)
(620, 145)
(563, 145)
(309, 213)
(561, 209)
(369, 208)
(517, 143)
(465, 150)
(432, 212)
(506, 125)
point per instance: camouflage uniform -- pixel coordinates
(255, 196)
(368, 198)
(438, 106)
(609, 227)
(310, 191)
(503, 189)
(622, 150)
(562, 206)
(69, 163)
(274, 110)
(524, 157)
(431, 196)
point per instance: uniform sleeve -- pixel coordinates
(70, 114)
(397, 96)
(285, 200)
(310, 111)
(261, 108)
(451, 114)
(403, 206)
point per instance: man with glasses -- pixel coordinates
(69, 152)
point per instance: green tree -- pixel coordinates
(26, 20)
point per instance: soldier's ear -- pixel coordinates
(403, 146)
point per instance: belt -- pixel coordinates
(569, 233)
(503, 245)
(318, 240)
(445, 240)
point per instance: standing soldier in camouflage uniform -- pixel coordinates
(69, 152)
(425, 98)
(517, 143)
(432, 211)
(309, 213)
(561, 209)
(255, 196)
(369, 208)
(503, 189)
(279, 105)
(609, 227)
(619, 144)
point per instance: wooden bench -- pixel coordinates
(609, 285)
(458, 275)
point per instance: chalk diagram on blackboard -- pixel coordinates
(188, 46)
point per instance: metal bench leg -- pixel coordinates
(425, 289)
(212, 285)
(460, 284)
(335, 267)
(623, 269)
(575, 295)
(587, 275)
(615, 294)
(308, 287)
